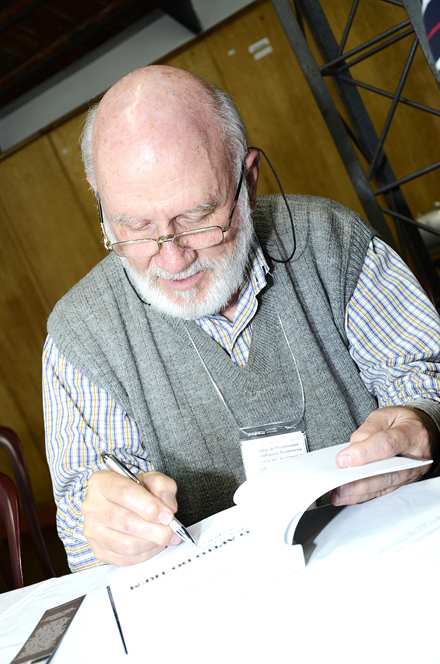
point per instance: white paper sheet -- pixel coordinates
(273, 501)
(225, 564)
(403, 526)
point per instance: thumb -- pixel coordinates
(357, 454)
(378, 420)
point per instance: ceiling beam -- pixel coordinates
(17, 12)
(183, 11)
(65, 43)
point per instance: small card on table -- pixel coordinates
(47, 635)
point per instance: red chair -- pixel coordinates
(10, 442)
(10, 511)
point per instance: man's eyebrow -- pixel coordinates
(123, 220)
(202, 208)
(209, 206)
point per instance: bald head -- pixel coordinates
(157, 117)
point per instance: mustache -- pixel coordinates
(199, 265)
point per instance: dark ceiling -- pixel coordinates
(40, 38)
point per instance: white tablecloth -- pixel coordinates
(354, 602)
(92, 631)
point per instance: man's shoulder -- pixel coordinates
(88, 322)
(310, 207)
(323, 245)
(91, 293)
(99, 276)
(316, 221)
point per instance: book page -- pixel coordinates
(402, 524)
(227, 563)
(273, 501)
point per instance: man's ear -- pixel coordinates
(252, 165)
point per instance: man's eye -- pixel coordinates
(145, 229)
(191, 222)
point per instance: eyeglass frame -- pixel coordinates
(171, 238)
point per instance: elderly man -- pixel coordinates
(196, 327)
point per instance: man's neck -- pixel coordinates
(229, 311)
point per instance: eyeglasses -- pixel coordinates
(201, 238)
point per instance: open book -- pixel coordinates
(274, 501)
(242, 566)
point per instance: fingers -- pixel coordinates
(163, 487)
(112, 547)
(109, 547)
(389, 432)
(380, 445)
(373, 487)
(127, 523)
(150, 504)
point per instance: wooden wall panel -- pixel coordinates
(56, 241)
(66, 145)
(48, 244)
(23, 309)
(279, 110)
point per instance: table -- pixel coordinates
(361, 598)
(20, 611)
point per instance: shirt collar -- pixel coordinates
(254, 278)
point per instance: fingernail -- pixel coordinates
(345, 489)
(175, 540)
(169, 500)
(344, 461)
(165, 518)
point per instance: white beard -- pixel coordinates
(227, 274)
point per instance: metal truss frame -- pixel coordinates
(360, 131)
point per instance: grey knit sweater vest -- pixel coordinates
(146, 361)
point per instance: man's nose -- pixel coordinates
(173, 259)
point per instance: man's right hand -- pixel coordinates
(126, 523)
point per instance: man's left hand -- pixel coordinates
(387, 432)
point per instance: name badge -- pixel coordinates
(263, 446)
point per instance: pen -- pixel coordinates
(118, 467)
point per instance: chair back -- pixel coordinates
(10, 442)
(10, 511)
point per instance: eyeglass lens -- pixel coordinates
(202, 239)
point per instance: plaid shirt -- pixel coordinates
(394, 338)
(236, 337)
